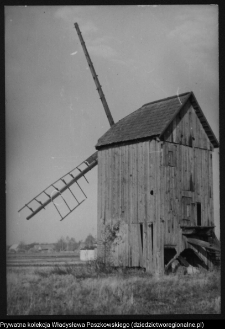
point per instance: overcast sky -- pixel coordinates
(54, 116)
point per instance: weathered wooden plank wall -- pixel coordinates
(189, 176)
(152, 187)
(128, 191)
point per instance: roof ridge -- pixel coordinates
(164, 99)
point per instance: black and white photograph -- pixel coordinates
(112, 160)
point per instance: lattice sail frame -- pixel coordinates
(90, 163)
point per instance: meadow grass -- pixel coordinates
(74, 290)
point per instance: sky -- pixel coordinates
(54, 116)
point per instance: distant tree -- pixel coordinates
(67, 243)
(22, 246)
(90, 241)
(61, 244)
(73, 245)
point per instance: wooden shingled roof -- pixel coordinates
(152, 119)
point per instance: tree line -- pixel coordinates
(63, 244)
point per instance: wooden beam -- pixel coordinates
(171, 261)
(203, 244)
(183, 261)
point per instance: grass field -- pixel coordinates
(83, 289)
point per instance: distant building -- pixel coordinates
(37, 247)
(42, 248)
(47, 247)
(14, 248)
(87, 254)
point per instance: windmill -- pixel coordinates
(155, 184)
(52, 192)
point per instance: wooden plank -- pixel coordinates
(103, 192)
(183, 261)
(190, 140)
(208, 187)
(135, 187)
(205, 189)
(122, 183)
(149, 256)
(179, 132)
(113, 185)
(193, 214)
(99, 186)
(211, 184)
(99, 218)
(147, 178)
(144, 245)
(106, 185)
(198, 140)
(130, 175)
(155, 248)
(203, 223)
(203, 244)
(130, 243)
(174, 130)
(140, 242)
(162, 247)
(186, 169)
(151, 182)
(187, 130)
(159, 223)
(193, 124)
(162, 188)
(197, 174)
(122, 250)
(125, 183)
(109, 208)
(135, 245)
(204, 137)
(140, 183)
(173, 205)
(157, 178)
(117, 184)
(126, 262)
(142, 199)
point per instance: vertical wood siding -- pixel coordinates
(152, 188)
(185, 127)
(129, 192)
(190, 177)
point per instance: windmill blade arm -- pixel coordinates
(95, 77)
(90, 162)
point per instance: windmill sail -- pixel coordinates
(95, 77)
(53, 191)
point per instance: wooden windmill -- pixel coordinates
(155, 185)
